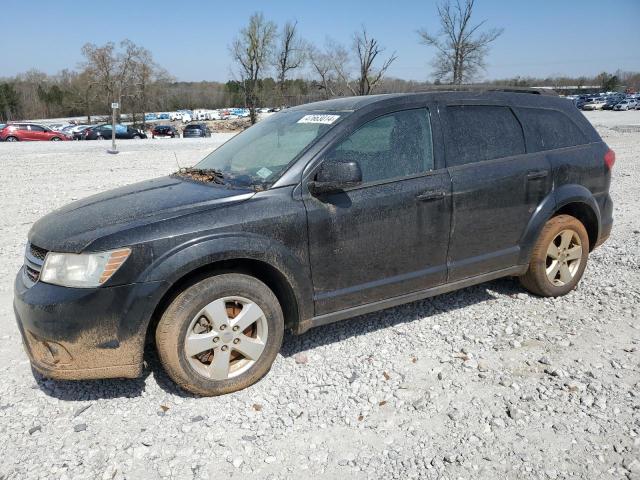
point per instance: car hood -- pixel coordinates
(75, 226)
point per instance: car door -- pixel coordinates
(31, 132)
(388, 235)
(496, 187)
(36, 132)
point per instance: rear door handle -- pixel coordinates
(430, 195)
(535, 174)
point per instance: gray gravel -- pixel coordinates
(488, 382)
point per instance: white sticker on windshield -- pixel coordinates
(264, 172)
(326, 119)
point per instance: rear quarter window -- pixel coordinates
(550, 129)
(482, 132)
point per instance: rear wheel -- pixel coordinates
(559, 257)
(55, 139)
(221, 334)
(12, 139)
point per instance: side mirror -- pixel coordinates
(336, 176)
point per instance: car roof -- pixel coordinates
(512, 96)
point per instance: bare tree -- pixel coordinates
(148, 78)
(252, 51)
(111, 71)
(461, 46)
(291, 54)
(366, 50)
(323, 63)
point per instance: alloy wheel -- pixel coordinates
(564, 256)
(226, 338)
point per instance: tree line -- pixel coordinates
(272, 66)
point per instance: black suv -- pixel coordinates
(103, 132)
(196, 130)
(320, 213)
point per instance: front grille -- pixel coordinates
(38, 252)
(33, 261)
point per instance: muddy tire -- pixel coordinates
(220, 335)
(559, 258)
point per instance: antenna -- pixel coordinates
(177, 163)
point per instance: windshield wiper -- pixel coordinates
(204, 175)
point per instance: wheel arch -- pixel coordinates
(280, 273)
(574, 200)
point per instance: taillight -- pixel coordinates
(610, 159)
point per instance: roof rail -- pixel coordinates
(489, 88)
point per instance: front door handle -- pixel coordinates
(431, 195)
(536, 174)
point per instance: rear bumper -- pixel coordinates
(605, 233)
(606, 220)
(74, 334)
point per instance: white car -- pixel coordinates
(628, 104)
(173, 116)
(594, 105)
(186, 118)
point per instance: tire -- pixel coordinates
(200, 312)
(137, 137)
(99, 137)
(12, 139)
(559, 258)
(55, 139)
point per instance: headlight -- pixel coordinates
(84, 270)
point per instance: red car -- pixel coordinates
(18, 132)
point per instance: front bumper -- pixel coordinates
(74, 334)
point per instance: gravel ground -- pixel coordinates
(488, 382)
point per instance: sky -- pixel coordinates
(191, 39)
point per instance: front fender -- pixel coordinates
(553, 202)
(189, 256)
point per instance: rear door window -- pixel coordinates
(550, 129)
(482, 132)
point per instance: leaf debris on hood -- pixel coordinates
(204, 175)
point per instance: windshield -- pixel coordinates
(260, 154)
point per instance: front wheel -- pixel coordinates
(559, 257)
(221, 334)
(12, 139)
(55, 139)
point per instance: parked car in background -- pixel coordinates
(71, 129)
(164, 131)
(78, 132)
(612, 102)
(27, 132)
(595, 104)
(628, 104)
(582, 100)
(196, 130)
(103, 132)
